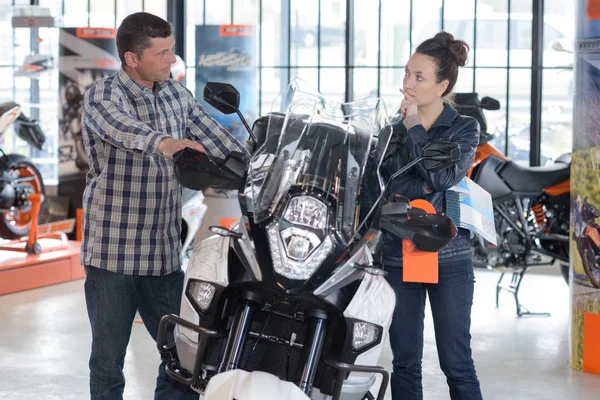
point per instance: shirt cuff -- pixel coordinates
(151, 145)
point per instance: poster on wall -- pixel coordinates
(585, 192)
(227, 53)
(585, 253)
(85, 55)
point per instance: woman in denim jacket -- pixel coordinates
(431, 73)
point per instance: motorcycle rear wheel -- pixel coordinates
(17, 224)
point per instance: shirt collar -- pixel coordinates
(135, 87)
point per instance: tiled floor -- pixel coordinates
(45, 340)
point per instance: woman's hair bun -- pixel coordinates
(458, 48)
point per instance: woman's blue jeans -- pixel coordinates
(451, 300)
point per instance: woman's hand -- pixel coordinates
(426, 188)
(408, 105)
(410, 112)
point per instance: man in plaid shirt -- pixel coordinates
(133, 123)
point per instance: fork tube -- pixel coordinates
(317, 328)
(237, 335)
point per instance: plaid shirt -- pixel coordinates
(132, 201)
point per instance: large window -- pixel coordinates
(349, 59)
(384, 35)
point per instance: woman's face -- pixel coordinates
(420, 80)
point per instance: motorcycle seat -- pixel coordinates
(534, 179)
(4, 107)
(564, 158)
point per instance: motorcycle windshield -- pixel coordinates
(314, 145)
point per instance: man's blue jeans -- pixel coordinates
(112, 301)
(451, 300)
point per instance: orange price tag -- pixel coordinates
(593, 9)
(417, 265)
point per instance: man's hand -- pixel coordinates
(169, 146)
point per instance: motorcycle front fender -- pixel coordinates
(243, 385)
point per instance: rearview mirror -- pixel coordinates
(487, 103)
(222, 96)
(225, 98)
(440, 155)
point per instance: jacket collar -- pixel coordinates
(446, 118)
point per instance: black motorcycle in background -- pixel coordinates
(531, 205)
(19, 177)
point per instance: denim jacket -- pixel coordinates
(406, 146)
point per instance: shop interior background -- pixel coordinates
(348, 49)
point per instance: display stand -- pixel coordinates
(21, 271)
(32, 244)
(57, 261)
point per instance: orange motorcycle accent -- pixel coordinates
(483, 152)
(540, 215)
(560, 188)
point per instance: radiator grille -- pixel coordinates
(273, 357)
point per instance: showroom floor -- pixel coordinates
(45, 340)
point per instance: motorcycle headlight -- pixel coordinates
(307, 211)
(364, 334)
(292, 256)
(297, 251)
(202, 293)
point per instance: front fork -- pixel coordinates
(240, 327)
(311, 352)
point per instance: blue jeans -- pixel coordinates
(112, 301)
(451, 300)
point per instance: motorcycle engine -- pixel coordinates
(513, 242)
(512, 248)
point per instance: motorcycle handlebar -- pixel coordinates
(197, 170)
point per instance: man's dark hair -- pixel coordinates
(137, 29)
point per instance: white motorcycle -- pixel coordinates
(193, 210)
(291, 302)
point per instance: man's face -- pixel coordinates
(155, 62)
